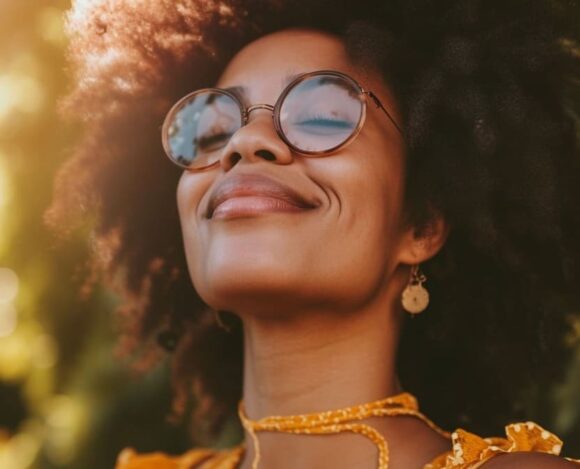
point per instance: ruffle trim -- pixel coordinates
(470, 450)
(203, 458)
(128, 458)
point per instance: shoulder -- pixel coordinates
(526, 445)
(128, 458)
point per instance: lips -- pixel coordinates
(257, 185)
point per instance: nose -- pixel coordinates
(257, 140)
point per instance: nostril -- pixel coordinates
(234, 158)
(266, 154)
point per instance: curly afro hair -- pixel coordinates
(488, 91)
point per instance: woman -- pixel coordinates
(338, 169)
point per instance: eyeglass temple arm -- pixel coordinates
(379, 104)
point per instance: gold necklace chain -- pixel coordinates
(335, 421)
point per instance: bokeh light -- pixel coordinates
(50, 25)
(8, 285)
(20, 87)
(5, 199)
(61, 389)
(44, 351)
(66, 419)
(14, 357)
(7, 319)
(20, 453)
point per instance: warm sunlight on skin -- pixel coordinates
(318, 289)
(238, 262)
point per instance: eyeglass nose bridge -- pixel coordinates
(257, 106)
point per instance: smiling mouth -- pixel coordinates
(252, 205)
(247, 194)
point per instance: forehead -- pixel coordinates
(265, 66)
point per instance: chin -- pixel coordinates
(242, 290)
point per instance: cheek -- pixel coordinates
(190, 192)
(368, 183)
(187, 200)
(361, 233)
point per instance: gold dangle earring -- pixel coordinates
(415, 297)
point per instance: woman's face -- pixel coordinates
(336, 256)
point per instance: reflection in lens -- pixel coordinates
(321, 112)
(201, 126)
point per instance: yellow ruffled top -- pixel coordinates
(469, 451)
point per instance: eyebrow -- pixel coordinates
(241, 91)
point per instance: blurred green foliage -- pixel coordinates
(65, 400)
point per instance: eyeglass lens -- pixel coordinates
(317, 114)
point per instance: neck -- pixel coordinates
(318, 360)
(314, 361)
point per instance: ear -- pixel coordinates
(417, 246)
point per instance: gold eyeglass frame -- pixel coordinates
(245, 114)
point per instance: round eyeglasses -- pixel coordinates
(316, 114)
